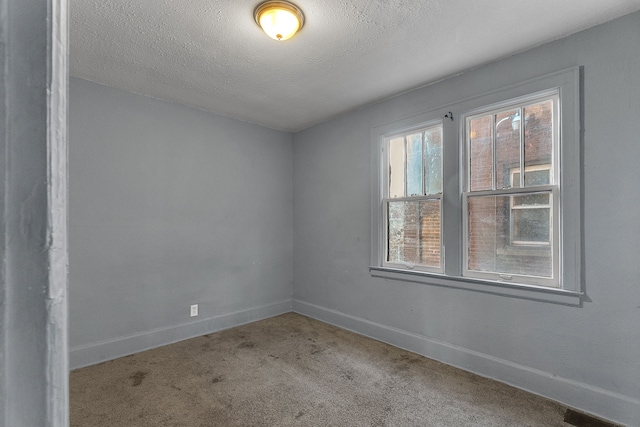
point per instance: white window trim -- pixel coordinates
(570, 158)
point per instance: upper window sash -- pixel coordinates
(409, 174)
(509, 116)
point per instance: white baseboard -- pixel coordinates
(594, 400)
(101, 351)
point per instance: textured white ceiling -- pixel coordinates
(210, 54)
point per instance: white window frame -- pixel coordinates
(570, 270)
(554, 189)
(386, 199)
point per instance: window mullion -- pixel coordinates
(423, 146)
(406, 170)
(522, 153)
(466, 157)
(424, 162)
(494, 155)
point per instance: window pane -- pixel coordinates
(531, 226)
(396, 167)
(481, 153)
(430, 239)
(414, 164)
(531, 199)
(414, 232)
(538, 137)
(507, 148)
(433, 147)
(533, 177)
(489, 245)
(536, 177)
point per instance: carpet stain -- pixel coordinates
(404, 363)
(217, 379)
(347, 375)
(408, 359)
(246, 344)
(299, 414)
(137, 378)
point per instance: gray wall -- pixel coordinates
(33, 235)
(171, 206)
(586, 356)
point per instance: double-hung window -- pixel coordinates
(412, 200)
(484, 191)
(511, 192)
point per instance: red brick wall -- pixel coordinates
(414, 233)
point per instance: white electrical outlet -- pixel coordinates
(194, 310)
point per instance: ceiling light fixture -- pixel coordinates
(279, 19)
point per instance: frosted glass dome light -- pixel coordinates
(279, 19)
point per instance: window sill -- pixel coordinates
(530, 292)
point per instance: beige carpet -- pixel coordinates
(294, 371)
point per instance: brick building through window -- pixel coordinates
(511, 233)
(414, 198)
(496, 184)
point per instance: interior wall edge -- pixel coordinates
(102, 351)
(597, 401)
